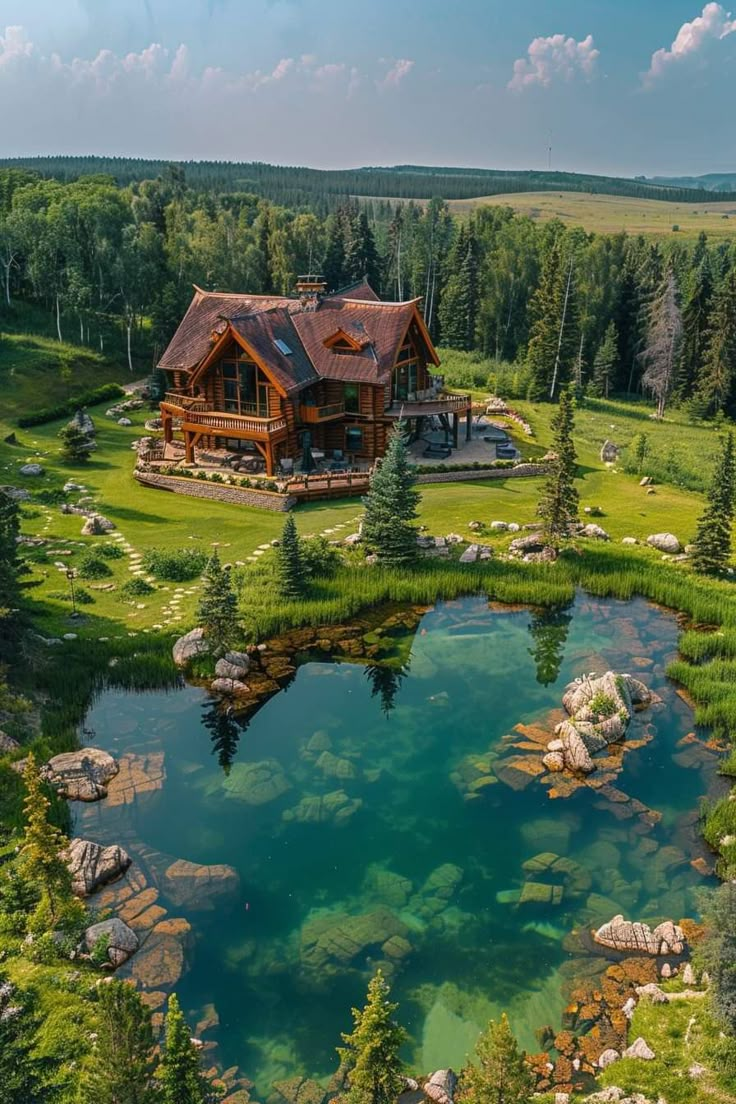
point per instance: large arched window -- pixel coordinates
(245, 387)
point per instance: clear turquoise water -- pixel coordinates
(473, 674)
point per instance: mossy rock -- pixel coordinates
(334, 767)
(539, 893)
(257, 783)
(387, 887)
(335, 807)
(297, 1090)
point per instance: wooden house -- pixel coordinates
(272, 374)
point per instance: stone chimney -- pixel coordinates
(310, 289)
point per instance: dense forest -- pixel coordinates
(611, 313)
(321, 190)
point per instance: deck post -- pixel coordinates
(468, 420)
(167, 422)
(189, 446)
(455, 424)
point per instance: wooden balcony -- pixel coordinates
(314, 415)
(186, 402)
(220, 422)
(447, 402)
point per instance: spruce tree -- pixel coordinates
(179, 1074)
(558, 507)
(218, 607)
(501, 1075)
(334, 262)
(391, 506)
(361, 255)
(460, 301)
(75, 445)
(120, 1068)
(662, 349)
(553, 340)
(290, 564)
(712, 543)
(695, 316)
(604, 364)
(549, 630)
(41, 859)
(717, 378)
(370, 1056)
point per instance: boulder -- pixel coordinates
(229, 686)
(627, 935)
(299, 1090)
(227, 670)
(554, 761)
(80, 775)
(18, 494)
(499, 526)
(608, 1057)
(198, 886)
(440, 1086)
(609, 452)
(96, 525)
(594, 531)
(92, 865)
(124, 422)
(31, 469)
(83, 422)
(629, 540)
(532, 542)
(575, 753)
(189, 646)
(332, 942)
(639, 1049)
(122, 940)
(665, 542)
(256, 783)
(688, 975)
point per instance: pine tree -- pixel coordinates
(361, 255)
(218, 607)
(225, 733)
(695, 315)
(291, 572)
(558, 507)
(370, 1056)
(604, 365)
(502, 1075)
(120, 1068)
(640, 450)
(662, 348)
(391, 506)
(41, 854)
(179, 1074)
(458, 311)
(553, 340)
(334, 261)
(717, 377)
(712, 543)
(385, 682)
(75, 445)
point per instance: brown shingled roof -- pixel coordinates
(260, 320)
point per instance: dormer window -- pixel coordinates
(342, 342)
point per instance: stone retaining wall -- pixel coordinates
(219, 492)
(491, 473)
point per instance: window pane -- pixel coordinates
(229, 369)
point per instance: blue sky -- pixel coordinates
(622, 86)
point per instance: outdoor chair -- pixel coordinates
(438, 451)
(286, 466)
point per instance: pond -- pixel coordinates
(387, 821)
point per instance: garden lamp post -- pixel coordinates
(70, 577)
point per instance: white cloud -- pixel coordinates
(155, 100)
(396, 73)
(714, 24)
(554, 57)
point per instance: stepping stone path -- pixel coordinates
(475, 552)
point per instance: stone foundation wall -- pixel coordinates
(219, 492)
(491, 473)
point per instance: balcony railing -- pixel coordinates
(236, 423)
(186, 402)
(312, 415)
(446, 402)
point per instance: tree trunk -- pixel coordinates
(7, 265)
(562, 331)
(58, 317)
(129, 327)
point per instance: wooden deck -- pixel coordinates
(306, 488)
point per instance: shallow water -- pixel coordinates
(406, 847)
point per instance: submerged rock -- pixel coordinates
(626, 935)
(300, 1090)
(92, 865)
(257, 783)
(335, 807)
(81, 775)
(199, 886)
(122, 941)
(333, 941)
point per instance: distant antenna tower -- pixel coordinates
(549, 154)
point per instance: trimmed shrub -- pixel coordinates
(176, 565)
(92, 566)
(136, 588)
(70, 406)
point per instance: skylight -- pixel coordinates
(282, 346)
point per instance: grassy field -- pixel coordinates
(606, 214)
(147, 518)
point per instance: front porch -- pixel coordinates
(199, 423)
